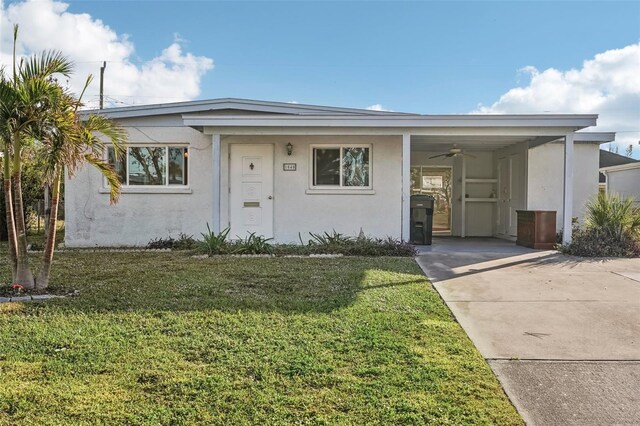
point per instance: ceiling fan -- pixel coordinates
(454, 152)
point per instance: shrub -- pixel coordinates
(253, 244)
(213, 243)
(161, 243)
(613, 215)
(594, 243)
(333, 239)
(183, 242)
(336, 243)
(612, 229)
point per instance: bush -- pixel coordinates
(614, 216)
(594, 243)
(253, 244)
(612, 229)
(183, 242)
(325, 243)
(213, 243)
(336, 243)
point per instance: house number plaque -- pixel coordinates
(289, 167)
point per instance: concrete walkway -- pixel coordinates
(562, 334)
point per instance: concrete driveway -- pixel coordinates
(562, 334)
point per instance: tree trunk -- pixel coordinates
(23, 272)
(46, 210)
(47, 258)
(8, 203)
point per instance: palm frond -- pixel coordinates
(109, 173)
(45, 65)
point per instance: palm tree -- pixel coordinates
(35, 111)
(24, 102)
(69, 142)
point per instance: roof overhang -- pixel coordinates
(621, 167)
(565, 121)
(581, 137)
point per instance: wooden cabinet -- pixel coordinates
(537, 229)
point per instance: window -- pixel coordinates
(341, 166)
(151, 165)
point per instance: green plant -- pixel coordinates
(184, 242)
(329, 239)
(595, 243)
(612, 229)
(161, 243)
(338, 244)
(254, 244)
(213, 243)
(614, 215)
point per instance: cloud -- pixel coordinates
(173, 75)
(608, 84)
(376, 107)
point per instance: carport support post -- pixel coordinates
(567, 199)
(406, 186)
(215, 181)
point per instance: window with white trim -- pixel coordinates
(152, 165)
(341, 166)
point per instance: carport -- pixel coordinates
(483, 169)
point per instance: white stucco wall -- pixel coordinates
(295, 211)
(625, 183)
(138, 218)
(546, 178)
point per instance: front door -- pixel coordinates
(251, 190)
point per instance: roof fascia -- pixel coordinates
(621, 167)
(575, 122)
(533, 133)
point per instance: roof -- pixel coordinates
(610, 159)
(240, 110)
(235, 104)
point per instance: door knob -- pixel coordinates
(270, 197)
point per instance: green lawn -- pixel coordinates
(162, 338)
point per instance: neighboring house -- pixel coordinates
(282, 170)
(619, 174)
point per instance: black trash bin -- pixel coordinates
(421, 219)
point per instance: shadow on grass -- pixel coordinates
(178, 282)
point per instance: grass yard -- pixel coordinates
(163, 338)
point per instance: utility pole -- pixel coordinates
(102, 68)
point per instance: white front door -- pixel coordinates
(251, 190)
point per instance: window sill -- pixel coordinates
(330, 191)
(148, 190)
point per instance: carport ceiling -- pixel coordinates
(475, 143)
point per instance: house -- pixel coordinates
(620, 175)
(282, 170)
